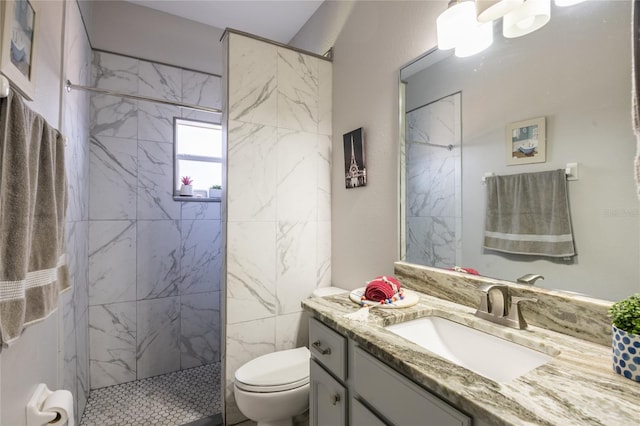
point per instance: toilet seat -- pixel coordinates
(275, 372)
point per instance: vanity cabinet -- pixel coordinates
(350, 386)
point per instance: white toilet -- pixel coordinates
(273, 388)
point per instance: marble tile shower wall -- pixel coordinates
(433, 186)
(278, 198)
(154, 263)
(75, 125)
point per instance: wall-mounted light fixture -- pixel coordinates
(458, 28)
(528, 17)
(467, 25)
(454, 23)
(488, 10)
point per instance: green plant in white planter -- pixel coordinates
(215, 191)
(625, 316)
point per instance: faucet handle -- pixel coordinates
(515, 314)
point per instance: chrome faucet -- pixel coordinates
(529, 279)
(498, 306)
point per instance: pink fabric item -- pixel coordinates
(381, 288)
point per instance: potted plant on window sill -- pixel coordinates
(215, 191)
(186, 190)
(625, 316)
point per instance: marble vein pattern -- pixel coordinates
(77, 251)
(433, 196)
(324, 178)
(253, 92)
(278, 197)
(159, 81)
(200, 211)
(158, 258)
(155, 121)
(113, 178)
(297, 174)
(158, 336)
(245, 341)
(82, 353)
(75, 126)
(76, 129)
(252, 190)
(200, 329)
(201, 257)
(144, 245)
(201, 89)
(69, 348)
(155, 182)
(292, 330)
(323, 254)
(325, 97)
(297, 91)
(296, 250)
(112, 261)
(115, 72)
(112, 331)
(431, 241)
(251, 271)
(114, 116)
(577, 387)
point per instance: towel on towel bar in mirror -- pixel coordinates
(33, 201)
(528, 213)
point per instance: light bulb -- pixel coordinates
(454, 22)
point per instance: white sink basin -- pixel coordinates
(494, 358)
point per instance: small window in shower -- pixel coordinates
(198, 159)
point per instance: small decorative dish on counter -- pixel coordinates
(409, 299)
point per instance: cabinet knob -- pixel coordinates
(334, 399)
(323, 351)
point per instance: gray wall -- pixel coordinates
(55, 351)
(141, 32)
(154, 263)
(377, 39)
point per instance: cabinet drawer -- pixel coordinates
(328, 348)
(395, 397)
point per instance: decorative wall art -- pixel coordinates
(18, 45)
(355, 170)
(525, 142)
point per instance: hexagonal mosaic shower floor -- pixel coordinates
(170, 399)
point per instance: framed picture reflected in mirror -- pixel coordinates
(526, 142)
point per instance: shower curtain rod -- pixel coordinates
(70, 86)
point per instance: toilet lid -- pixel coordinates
(282, 370)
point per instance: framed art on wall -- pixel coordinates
(18, 45)
(526, 142)
(355, 171)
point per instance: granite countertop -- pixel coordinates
(577, 387)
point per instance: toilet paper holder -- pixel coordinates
(35, 415)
